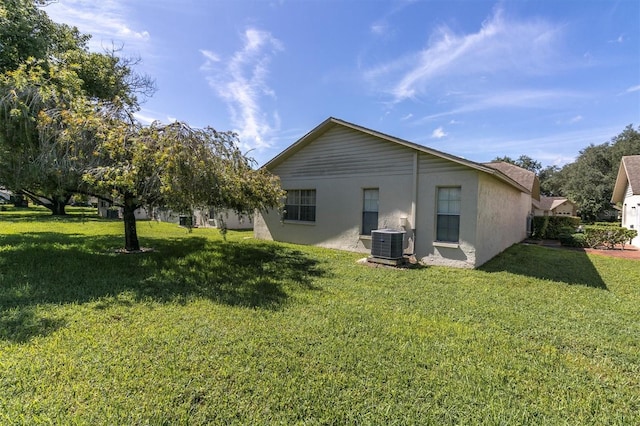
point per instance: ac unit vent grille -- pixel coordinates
(387, 243)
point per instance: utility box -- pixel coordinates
(387, 243)
(186, 221)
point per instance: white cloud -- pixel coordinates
(241, 81)
(500, 45)
(108, 21)
(508, 99)
(633, 89)
(558, 148)
(438, 133)
(210, 57)
(379, 28)
(620, 39)
(146, 116)
(576, 119)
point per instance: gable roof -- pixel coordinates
(628, 172)
(524, 177)
(332, 122)
(551, 203)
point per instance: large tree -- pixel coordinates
(551, 181)
(178, 167)
(589, 181)
(26, 31)
(42, 80)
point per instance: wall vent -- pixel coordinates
(387, 243)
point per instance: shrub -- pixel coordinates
(552, 227)
(607, 236)
(573, 240)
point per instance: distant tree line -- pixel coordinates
(590, 179)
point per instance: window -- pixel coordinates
(300, 205)
(370, 211)
(448, 226)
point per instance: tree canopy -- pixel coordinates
(523, 161)
(67, 126)
(181, 168)
(590, 179)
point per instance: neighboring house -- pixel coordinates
(206, 218)
(5, 196)
(626, 194)
(107, 210)
(555, 206)
(344, 180)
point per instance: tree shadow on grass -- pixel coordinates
(39, 269)
(567, 266)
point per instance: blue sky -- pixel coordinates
(477, 79)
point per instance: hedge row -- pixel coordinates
(570, 233)
(553, 227)
(607, 236)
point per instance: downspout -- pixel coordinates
(414, 201)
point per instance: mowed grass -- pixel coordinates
(238, 331)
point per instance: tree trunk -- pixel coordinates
(130, 233)
(57, 206)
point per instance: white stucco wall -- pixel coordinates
(428, 250)
(631, 216)
(502, 217)
(339, 212)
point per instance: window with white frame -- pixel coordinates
(370, 210)
(448, 219)
(300, 205)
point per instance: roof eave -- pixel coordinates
(331, 121)
(621, 184)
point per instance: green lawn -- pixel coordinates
(207, 331)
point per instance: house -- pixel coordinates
(527, 179)
(343, 181)
(206, 218)
(5, 195)
(109, 211)
(626, 194)
(555, 206)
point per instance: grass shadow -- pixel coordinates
(567, 266)
(54, 268)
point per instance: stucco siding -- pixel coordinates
(339, 203)
(428, 250)
(502, 218)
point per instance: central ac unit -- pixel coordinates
(387, 243)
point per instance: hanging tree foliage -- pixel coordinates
(46, 74)
(178, 167)
(66, 126)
